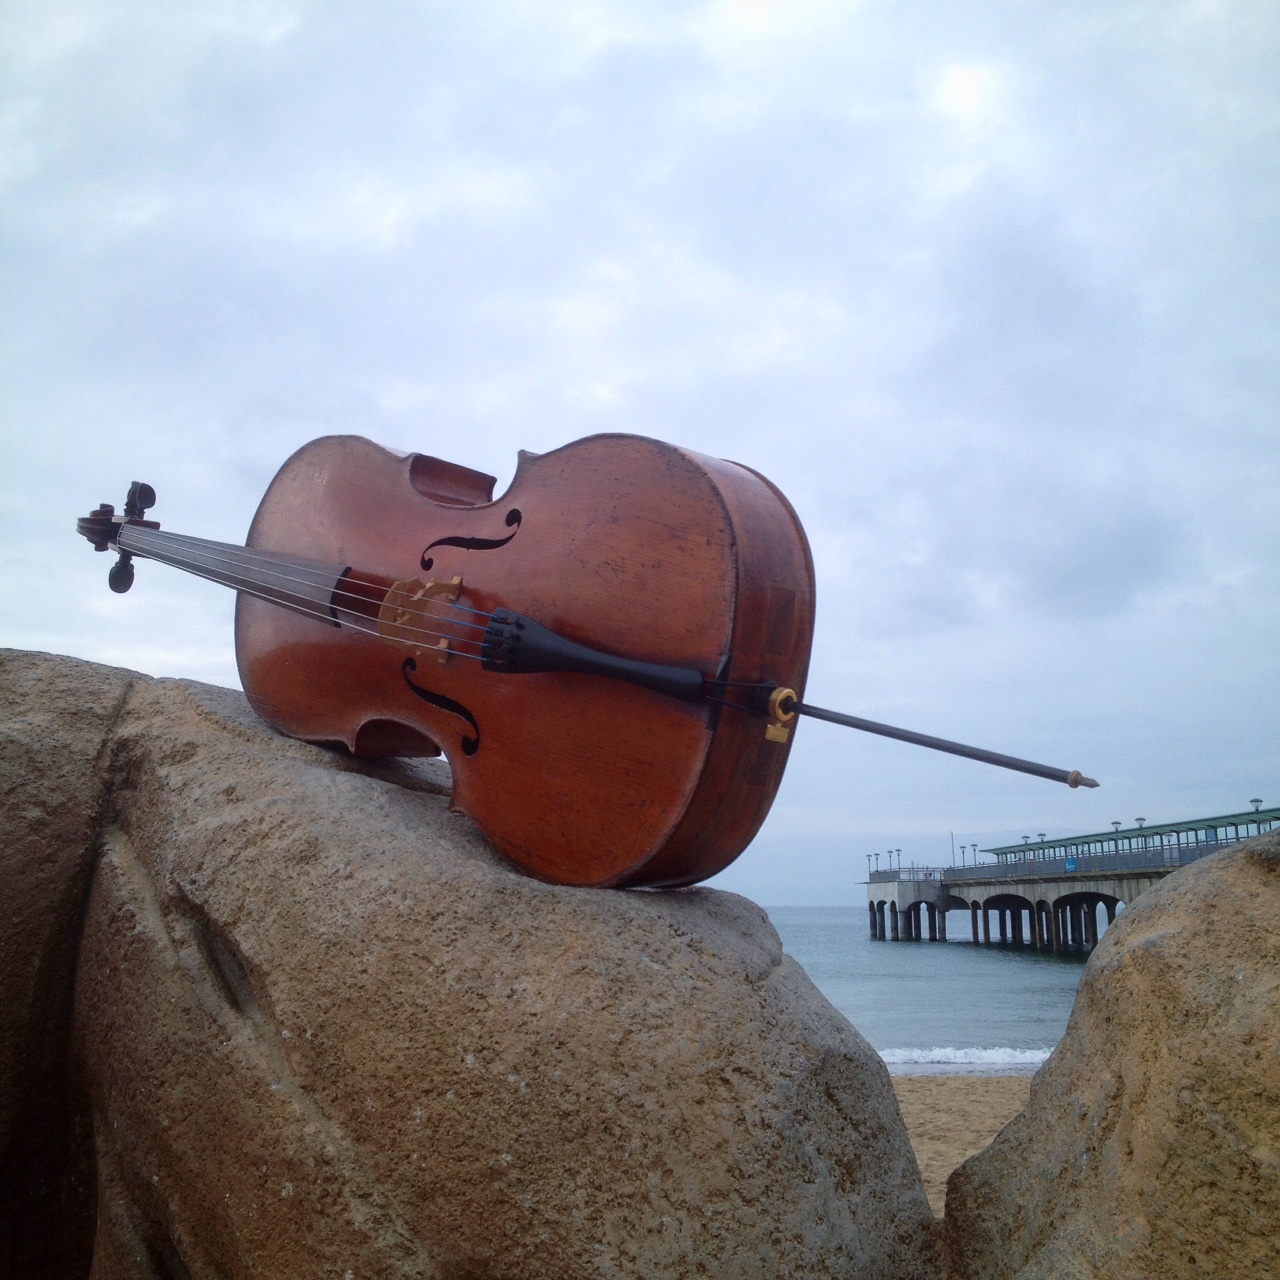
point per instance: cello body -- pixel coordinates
(624, 544)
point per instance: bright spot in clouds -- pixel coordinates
(968, 94)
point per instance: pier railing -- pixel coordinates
(1164, 856)
(899, 875)
(1170, 855)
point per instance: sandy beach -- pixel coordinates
(951, 1118)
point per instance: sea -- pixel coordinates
(935, 1008)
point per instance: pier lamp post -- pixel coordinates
(899, 853)
(1115, 826)
(877, 862)
(868, 868)
(1257, 804)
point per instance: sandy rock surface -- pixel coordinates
(320, 1029)
(1151, 1144)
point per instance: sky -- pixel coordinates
(991, 291)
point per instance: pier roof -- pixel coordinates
(1263, 819)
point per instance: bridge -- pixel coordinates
(1047, 894)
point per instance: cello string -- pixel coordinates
(179, 562)
(300, 605)
(271, 569)
(272, 564)
(453, 604)
(272, 561)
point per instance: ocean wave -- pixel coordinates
(945, 1060)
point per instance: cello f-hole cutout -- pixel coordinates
(512, 521)
(469, 745)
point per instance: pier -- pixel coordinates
(1048, 894)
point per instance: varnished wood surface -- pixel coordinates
(622, 543)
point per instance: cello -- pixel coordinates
(612, 655)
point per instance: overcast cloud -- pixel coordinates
(991, 291)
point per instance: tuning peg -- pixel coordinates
(142, 497)
(120, 579)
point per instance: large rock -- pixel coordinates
(1151, 1144)
(322, 1030)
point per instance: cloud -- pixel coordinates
(991, 293)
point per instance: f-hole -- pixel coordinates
(512, 521)
(469, 745)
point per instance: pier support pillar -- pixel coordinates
(1091, 925)
(871, 911)
(1111, 913)
(880, 921)
(1075, 922)
(986, 926)
(942, 924)
(893, 922)
(973, 919)
(933, 921)
(1002, 916)
(1055, 922)
(1016, 917)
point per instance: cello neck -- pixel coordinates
(305, 586)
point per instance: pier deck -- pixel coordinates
(1047, 894)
